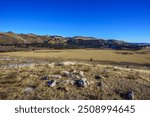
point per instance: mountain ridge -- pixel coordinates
(34, 41)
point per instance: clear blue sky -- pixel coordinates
(127, 20)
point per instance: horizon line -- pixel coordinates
(73, 36)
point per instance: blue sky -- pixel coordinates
(127, 20)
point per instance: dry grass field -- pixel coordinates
(70, 74)
(137, 57)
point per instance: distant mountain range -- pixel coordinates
(10, 41)
(142, 44)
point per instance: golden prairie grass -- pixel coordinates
(139, 57)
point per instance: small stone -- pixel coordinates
(56, 76)
(81, 83)
(130, 95)
(51, 83)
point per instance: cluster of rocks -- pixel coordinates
(74, 78)
(77, 78)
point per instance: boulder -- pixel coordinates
(130, 95)
(51, 83)
(81, 83)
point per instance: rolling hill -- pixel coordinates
(10, 41)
